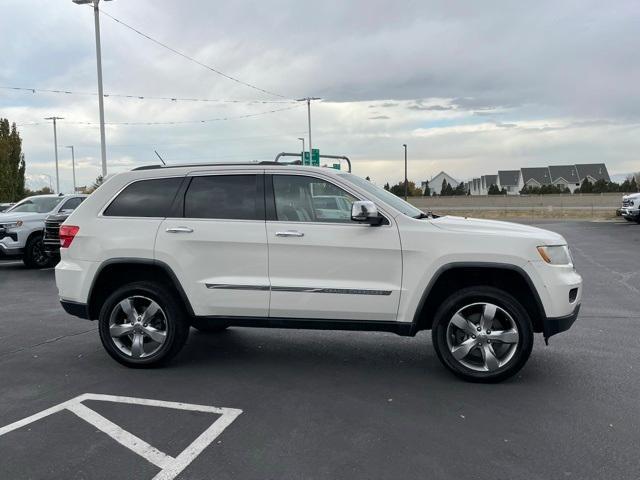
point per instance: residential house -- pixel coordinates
(565, 176)
(435, 184)
(535, 176)
(592, 171)
(510, 180)
(485, 183)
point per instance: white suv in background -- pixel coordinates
(22, 226)
(158, 249)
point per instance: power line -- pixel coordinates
(174, 122)
(140, 97)
(184, 55)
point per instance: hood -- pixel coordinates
(6, 217)
(495, 227)
(631, 196)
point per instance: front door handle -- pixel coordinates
(290, 233)
(179, 230)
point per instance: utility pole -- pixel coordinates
(103, 143)
(308, 100)
(406, 183)
(55, 146)
(302, 154)
(73, 167)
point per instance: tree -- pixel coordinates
(368, 179)
(494, 190)
(412, 190)
(386, 186)
(427, 189)
(11, 163)
(99, 181)
(586, 187)
(461, 189)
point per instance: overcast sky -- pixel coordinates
(471, 87)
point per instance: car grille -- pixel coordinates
(51, 237)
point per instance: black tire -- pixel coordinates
(34, 254)
(208, 326)
(173, 315)
(472, 298)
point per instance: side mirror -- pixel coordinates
(365, 212)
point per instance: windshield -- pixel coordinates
(384, 195)
(36, 205)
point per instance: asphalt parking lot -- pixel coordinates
(326, 405)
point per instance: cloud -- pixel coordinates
(493, 85)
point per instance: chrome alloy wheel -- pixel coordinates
(482, 336)
(138, 326)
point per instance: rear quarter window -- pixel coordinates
(145, 198)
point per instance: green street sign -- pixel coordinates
(315, 158)
(336, 166)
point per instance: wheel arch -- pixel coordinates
(134, 269)
(452, 277)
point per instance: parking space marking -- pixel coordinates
(170, 466)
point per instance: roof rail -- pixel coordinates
(215, 164)
(335, 157)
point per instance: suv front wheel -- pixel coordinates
(482, 334)
(143, 325)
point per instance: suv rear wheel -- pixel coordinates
(34, 254)
(143, 325)
(482, 334)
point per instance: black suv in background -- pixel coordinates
(51, 237)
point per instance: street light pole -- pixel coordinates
(73, 167)
(308, 100)
(406, 183)
(302, 154)
(50, 182)
(55, 146)
(103, 143)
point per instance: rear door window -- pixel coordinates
(145, 198)
(233, 197)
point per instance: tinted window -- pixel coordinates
(308, 199)
(236, 197)
(146, 198)
(72, 203)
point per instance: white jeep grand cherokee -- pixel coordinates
(158, 249)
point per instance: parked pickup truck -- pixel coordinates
(21, 227)
(630, 210)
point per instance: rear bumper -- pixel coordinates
(80, 310)
(553, 325)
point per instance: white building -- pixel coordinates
(435, 184)
(510, 180)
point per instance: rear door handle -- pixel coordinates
(290, 233)
(179, 230)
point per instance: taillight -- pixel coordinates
(67, 233)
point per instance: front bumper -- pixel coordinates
(629, 212)
(553, 325)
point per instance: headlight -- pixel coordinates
(556, 254)
(9, 226)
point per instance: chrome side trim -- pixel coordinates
(338, 291)
(226, 286)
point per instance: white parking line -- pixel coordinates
(170, 466)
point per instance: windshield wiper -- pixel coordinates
(425, 215)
